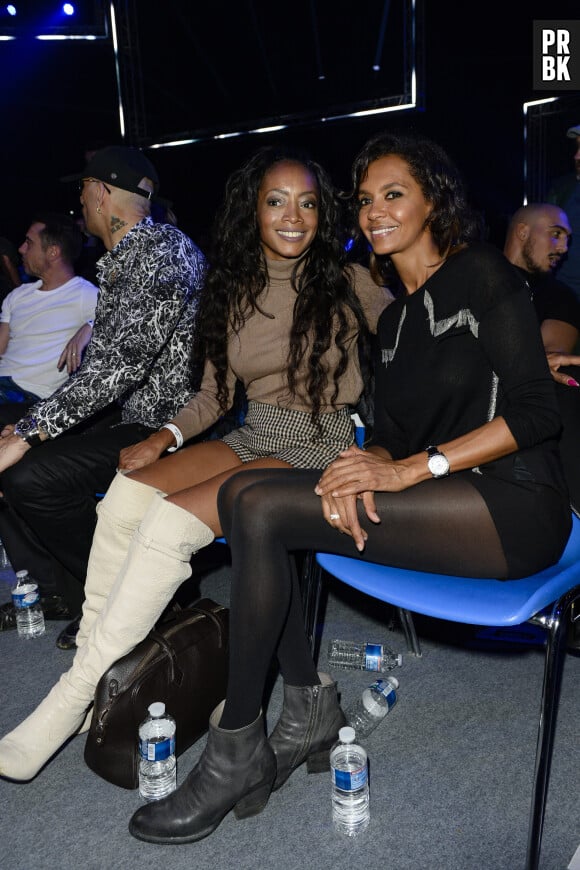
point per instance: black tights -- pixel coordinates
(439, 526)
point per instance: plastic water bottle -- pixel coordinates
(362, 656)
(26, 601)
(372, 707)
(157, 766)
(350, 784)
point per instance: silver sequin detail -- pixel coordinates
(464, 317)
(388, 353)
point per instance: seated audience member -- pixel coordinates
(9, 274)
(464, 413)
(462, 477)
(39, 318)
(564, 192)
(137, 362)
(537, 238)
(282, 312)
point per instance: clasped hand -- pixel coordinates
(138, 455)
(12, 447)
(356, 475)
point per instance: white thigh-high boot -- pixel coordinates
(119, 514)
(157, 563)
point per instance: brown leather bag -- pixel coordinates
(182, 662)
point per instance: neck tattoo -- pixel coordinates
(117, 224)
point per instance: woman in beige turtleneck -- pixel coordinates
(283, 314)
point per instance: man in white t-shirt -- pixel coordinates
(44, 324)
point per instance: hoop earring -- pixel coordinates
(99, 209)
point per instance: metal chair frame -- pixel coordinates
(555, 617)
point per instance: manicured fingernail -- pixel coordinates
(572, 383)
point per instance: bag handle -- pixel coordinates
(192, 608)
(175, 672)
(213, 617)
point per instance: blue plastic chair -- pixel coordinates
(545, 599)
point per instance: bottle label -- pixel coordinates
(25, 596)
(350, 780)
(373, 656)
(157, 751)
(387, 691)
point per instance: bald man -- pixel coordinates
(536, 240)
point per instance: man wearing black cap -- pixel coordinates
(138, 359)
(565, 192)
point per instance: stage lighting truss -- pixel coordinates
(257, 86)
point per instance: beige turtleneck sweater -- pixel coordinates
(258, 354)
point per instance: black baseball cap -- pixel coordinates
(122, 167)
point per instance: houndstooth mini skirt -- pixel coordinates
(291, 436)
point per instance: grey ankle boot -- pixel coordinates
(236, 771)
(307, 728)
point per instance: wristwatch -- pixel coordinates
(437, 462)
(29, 430)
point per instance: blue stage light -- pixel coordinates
(68, 9)
(10, 9)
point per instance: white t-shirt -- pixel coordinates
(41, 323)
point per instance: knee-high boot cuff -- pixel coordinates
(171, 529)
(126, 500)
(119, 513)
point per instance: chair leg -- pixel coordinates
(408, 625)
(554, 665)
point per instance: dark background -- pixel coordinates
(209, 67)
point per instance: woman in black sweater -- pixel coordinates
(463, 476)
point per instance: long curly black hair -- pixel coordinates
(237, 276)
(452, 222)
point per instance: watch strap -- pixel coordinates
(33, 440)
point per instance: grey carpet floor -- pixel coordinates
(451, 766)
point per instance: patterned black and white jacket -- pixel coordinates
(139, 352)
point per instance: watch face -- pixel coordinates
(438, 465)
(26, 428)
